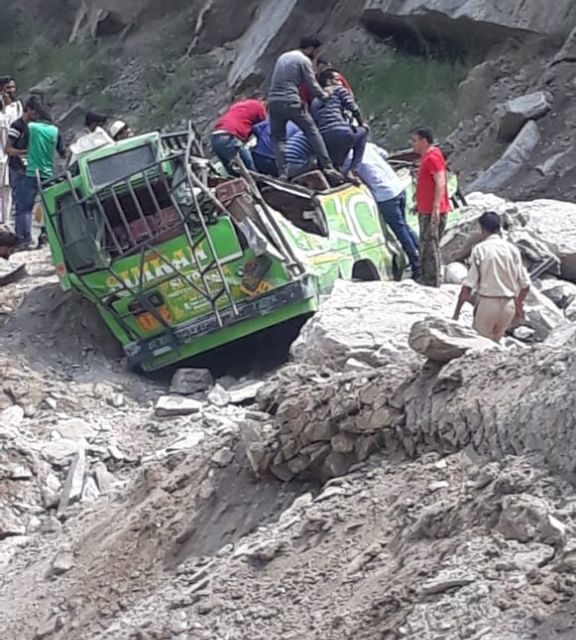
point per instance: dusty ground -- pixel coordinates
(187, 543)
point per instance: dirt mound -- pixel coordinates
(40, 319)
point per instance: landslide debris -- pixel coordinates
(359, 492)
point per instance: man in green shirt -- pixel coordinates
(44, 140)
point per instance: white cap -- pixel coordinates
(116, 127)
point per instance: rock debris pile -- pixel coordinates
(399, 470)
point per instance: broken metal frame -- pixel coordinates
(177, 152)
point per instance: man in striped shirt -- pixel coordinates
(333, 119)
(300, 156)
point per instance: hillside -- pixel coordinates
(449, 64)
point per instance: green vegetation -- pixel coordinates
(76, 69)
(398, 92)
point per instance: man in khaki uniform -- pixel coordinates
(499, 278)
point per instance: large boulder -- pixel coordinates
(443, 340)
(516, 113)
(562, 293)
(515, 158)
(541, 315)
(473, 20)
(370, 322)
(542, 230)
(494, 403)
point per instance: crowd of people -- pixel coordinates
(29, 144)
(310, 119)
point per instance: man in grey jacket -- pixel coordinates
(293, 70)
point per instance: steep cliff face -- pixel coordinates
(501, 17)
(158, 64)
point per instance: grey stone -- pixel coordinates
(533, 557)
(541, 315)
(19, 472)
(371, 322)
(526, 334)
(338, 464)
(223, 457)
(245, 393)
(58, 452)
(526, 518)
(343, 443)
(484, 22)
(116, 400)
(514, 159)
(75, 429)
(219, 397)
(318, 431)
(115, 453)
(104, 479)
(443, 340)
(90, 492)
(227, 382)
(188, 382)
(10, 421)
(570, 312)
(562, 293)
(455, 273)
(62, 563)
(49, 628)
(447, 581)
(517, 112)
(169, 406)
(51, 491)
(10, 524)
(72, 489)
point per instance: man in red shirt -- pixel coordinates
(432, 203)
(233, 130)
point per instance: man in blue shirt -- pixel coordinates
(390, 194)
(263, 154)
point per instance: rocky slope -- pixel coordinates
(360, 492)
(189, 59)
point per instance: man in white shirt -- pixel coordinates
(500, 279)
(10, 110)
(390, 194)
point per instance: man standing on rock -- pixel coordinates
(294, 69)
(499, 278)
(432, 203)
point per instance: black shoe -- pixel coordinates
(42, 241)
(22, 246)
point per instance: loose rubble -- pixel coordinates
(401, 468)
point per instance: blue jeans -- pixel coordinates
(393, 213)
(226, 147)
(265, 165)
(25, 190)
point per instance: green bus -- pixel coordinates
(179, 260)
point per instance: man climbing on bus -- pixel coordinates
(332, 115)
(294, 69)
(233, 130)
(263, 154)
